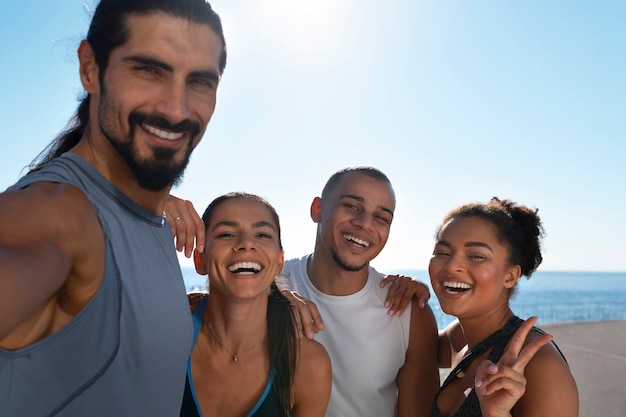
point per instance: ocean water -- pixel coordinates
(552, 296)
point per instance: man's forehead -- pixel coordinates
(157, 31)
(366, 189)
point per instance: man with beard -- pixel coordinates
(383, 365)
(94, 319)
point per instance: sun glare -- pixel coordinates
(312, 24)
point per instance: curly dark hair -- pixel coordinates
(517, 227)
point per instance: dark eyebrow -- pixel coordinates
(255, 225)
(467, 244)
(263, 223)
(142, 59)
(478, 244)
(225, 224)
(146, 60)
(362, 200)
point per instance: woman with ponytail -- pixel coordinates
(246, 358)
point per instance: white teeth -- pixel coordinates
(162, 133)
(245, 267)
(457, 285)
(356, 240)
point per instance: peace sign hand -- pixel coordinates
(499, 386)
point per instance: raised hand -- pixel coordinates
(401, 291)
(186, 225)
(499, 386)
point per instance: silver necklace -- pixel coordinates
(235, 357)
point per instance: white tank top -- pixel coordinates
(367, 347)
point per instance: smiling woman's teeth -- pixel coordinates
(356, 240)
(162, 133)
(245, 267)
(456, 286)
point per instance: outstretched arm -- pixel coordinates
(50, 237)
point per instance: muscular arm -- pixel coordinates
(50, 241)
(418, 379)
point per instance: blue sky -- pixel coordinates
(456, 101)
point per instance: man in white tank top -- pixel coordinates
(383, 365)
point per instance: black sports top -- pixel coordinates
(497, 341)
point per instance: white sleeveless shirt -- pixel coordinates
(367, 347)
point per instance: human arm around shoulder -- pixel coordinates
(51, 260)
(418, 379)
(401, 291)
(312, 380)
(186, 225)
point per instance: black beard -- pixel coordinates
(158, 173)
(343, 265)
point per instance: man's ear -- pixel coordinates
(316, 208)
(198, 261)
(512, 276)
(88, 68)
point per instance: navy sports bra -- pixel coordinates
(266, 406)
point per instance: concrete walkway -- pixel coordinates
(596, 352)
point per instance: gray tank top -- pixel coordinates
(125, 353)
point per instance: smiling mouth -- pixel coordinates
(356, 240)
(456, 287)
(162, 134)
(245, 268)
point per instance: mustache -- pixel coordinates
(188, 126)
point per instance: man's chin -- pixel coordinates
(347, 266)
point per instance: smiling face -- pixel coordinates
(242, 254)
(469, 269)
(157, 95)
(354, 220)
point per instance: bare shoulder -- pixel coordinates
(547, 359)
(312, 380)
(313, 363)
(547, 372)
(313, 355)
(423, 318)
(54, 213)
(49, 209)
